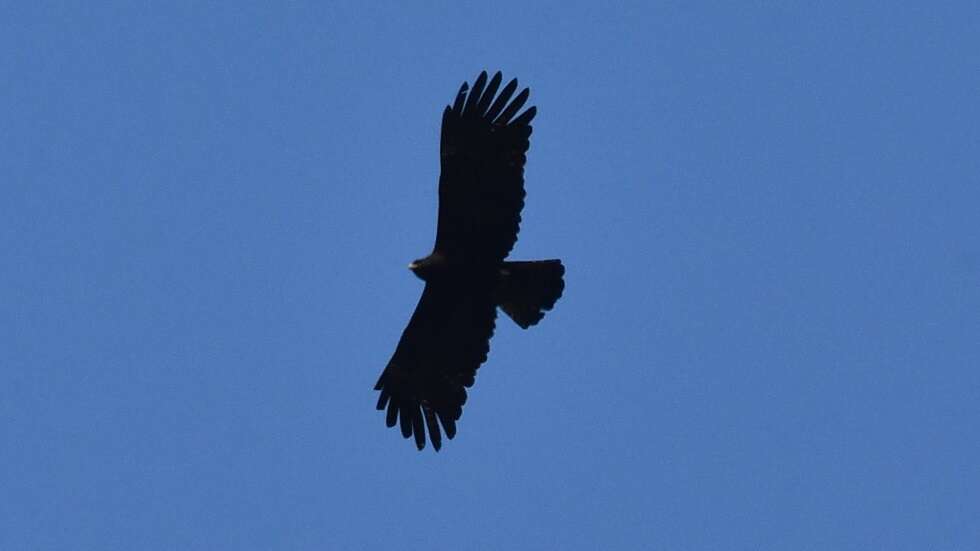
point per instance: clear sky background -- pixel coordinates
(770, 334)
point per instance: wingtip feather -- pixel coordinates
(418, 428)
(382, 401)
(460, 98)
(526, 117)
(501, 100)
(392, 416)
(406, 421)
(434, 434)
(514, 106)
(488, 93)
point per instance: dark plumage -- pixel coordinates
(481, 194)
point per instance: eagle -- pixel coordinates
(482, 150)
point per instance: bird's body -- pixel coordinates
(481, 194)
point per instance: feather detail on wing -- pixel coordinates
(425, 382)
(481, 186)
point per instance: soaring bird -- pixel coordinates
(481, 193)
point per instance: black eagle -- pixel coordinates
(481, 194)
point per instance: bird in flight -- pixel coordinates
(481, 194)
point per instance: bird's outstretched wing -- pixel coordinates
(481, 186)
(424, 384)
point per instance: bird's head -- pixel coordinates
(419, 268)
(425, 268)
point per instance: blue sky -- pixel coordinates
(769, 334)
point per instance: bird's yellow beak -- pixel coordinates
(412, 266)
